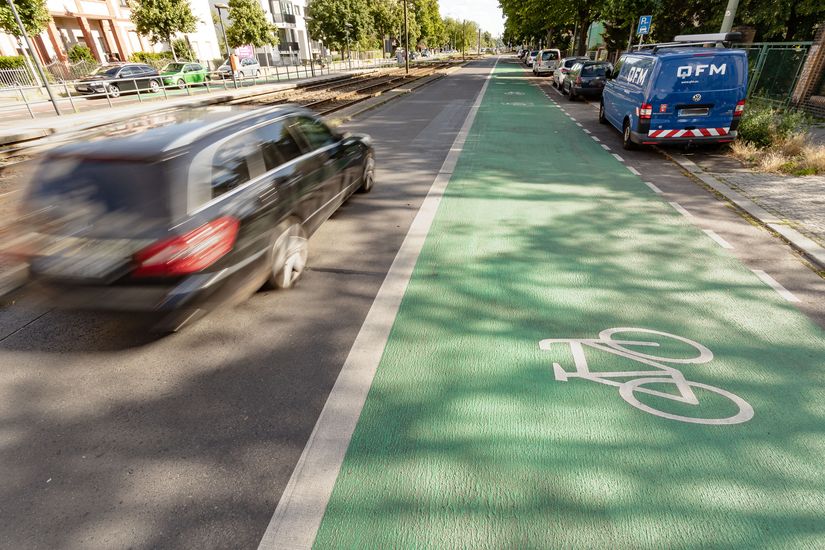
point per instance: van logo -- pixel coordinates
(637, 75)
(686, 71)
(697, 97)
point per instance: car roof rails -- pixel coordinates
(687, 40)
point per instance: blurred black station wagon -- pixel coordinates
(183, 210)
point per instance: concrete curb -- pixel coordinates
(806, 246)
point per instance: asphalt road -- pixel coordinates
(112, 439)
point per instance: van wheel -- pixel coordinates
(602, 118)
(627, 143)
(288, 256)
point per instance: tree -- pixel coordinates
(249, 25)
(33, 13)
(80, 52)
(160, 20)
(339, 22)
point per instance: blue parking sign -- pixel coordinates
(644, 25)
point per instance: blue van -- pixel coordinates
(680, 92)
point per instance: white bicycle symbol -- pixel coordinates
(663, 373)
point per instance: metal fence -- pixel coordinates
(774, 69)
(29, 100)
(15, 78)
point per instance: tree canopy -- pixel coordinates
(249, 25)
(160, 20)
(33, 13)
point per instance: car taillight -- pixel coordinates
(645, 111)
(578, 81)
(188, 253)
(565, 71)
(740, 108)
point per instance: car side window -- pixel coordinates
(126, 72)
(277, 145)
(230, 165)
(314, 133)
(195, 67)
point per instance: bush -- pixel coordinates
(80, 52)
(12, 61)
(149, 57)
(183, 50)
(764, 126)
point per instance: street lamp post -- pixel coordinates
(307, 18)
(220, 7)
(348, 26)
(42, 74)
(406, 40)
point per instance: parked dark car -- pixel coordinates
(113, 80)
(586, 78)
(197, 208)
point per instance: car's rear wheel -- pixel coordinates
(154, 86)
(571, 95)
(289, 256)
(368, 180)
(181, 83)
(627, 142)
(602, 118)
(114, 90)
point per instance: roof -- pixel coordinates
(157, 134)
(684, 51)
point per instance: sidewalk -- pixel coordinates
(474, 436)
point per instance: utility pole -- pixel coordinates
(220, 7)
(463, 42)
(406, 40)
(479, 41)
(730, 13)
(42, 74)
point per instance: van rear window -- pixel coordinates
(549, 56)
(699, 73)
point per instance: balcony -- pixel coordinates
(284, 47)
(284, 18)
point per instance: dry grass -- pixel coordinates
(791, 155)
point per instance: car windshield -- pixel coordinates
(108, 70)
(173, 68)
(594, 70)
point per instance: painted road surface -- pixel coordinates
(575, 365)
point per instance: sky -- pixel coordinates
(484, 12)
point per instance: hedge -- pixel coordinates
(12, 62)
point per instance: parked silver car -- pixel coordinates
(247, 68)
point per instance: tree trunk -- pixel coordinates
(792, 24)
(581, 38)
(172, 47)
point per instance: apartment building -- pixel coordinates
(105, 27)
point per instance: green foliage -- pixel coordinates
(249, 25)
(80, 52)
(183, 50)
(764, 126)
(339, 22)
(162, 19)
(150, 57)
(33, 13)
(12, 62)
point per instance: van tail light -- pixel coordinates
(188, 253)
(645, 111)
(740, 108)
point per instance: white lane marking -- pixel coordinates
(680, 209)
(719, 240)
(653, 187)
(774, 284)
(620, 159)
(595, 138)
(586, 131)
(299, 513)
(634, 171)
(579, 124)
(605, 147)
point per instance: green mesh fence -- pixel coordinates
(774, 68)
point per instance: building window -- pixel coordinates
(124, 3)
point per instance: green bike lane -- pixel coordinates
(471, 438)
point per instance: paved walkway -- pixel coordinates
(697, 424)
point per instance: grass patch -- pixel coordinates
(773, 140)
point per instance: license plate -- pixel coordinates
(695, 111)
(82, 88)
(78, 258)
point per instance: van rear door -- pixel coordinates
(694, 95)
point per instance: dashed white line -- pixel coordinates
(653, 188)
(620, 159)
(579, 124)
(586, 131)
(595, 138)
(634, 171)
(681, 209)
(719, 240)
(605, 147)
(774, 284)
